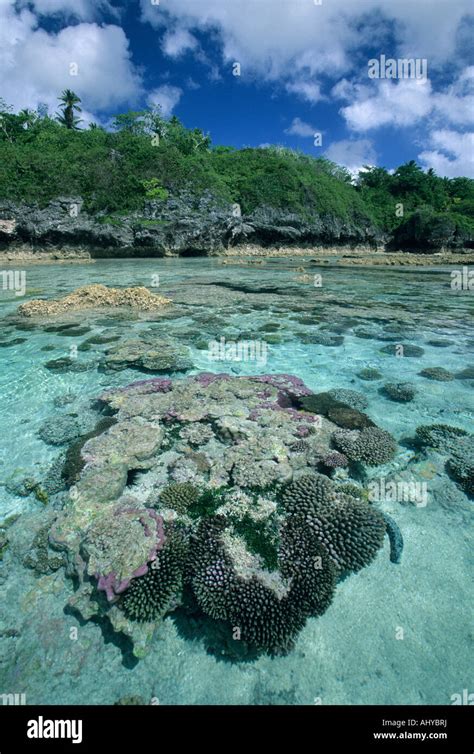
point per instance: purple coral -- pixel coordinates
(207, 378)
(292, 385)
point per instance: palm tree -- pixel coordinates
(70, 106)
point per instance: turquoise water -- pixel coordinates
(350, 654)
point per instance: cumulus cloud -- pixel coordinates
(400, 103)
(84, 10)
(166, 97)
(298, 127)
(176, 43)
(307, 90)
(278, 40)
(36, 65)
(406, 102)
(352, 153)
(452, 153)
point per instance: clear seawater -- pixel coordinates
(356, 652)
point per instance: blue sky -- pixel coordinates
(303, 71)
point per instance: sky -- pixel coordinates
(257, 72)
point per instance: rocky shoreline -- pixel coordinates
(185, 225)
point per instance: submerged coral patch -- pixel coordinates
(241, 530)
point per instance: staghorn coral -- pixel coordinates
(372, 446)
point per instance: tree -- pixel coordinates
(70, 105)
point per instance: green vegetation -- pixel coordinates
(260, 540)
(147, 157)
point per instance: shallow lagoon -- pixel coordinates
(355, 653)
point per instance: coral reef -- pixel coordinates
(401, 392)
(150, 596)
(242, 531)
(369, 374)
(179, 496)
(372, 446)
(350, 531)
(439, 374)
(461, 464)
(94, 297)
(350, 398)
(440, 436)
(403, 350)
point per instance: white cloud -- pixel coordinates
(352, 153)
(456, 104)
(84, 10)
(35, 66)
(281, 40)
(176, 43)
(307, 90)
(401, 103)
(166, 97)
(299, 128)
(406, 102)
(452, 154)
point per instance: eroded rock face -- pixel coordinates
(185, 223)
(195, 486)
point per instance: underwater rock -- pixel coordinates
(64, 400)
(465, 374)
(69, 364)
(255, 538)
(59, 430)
(94, 296)
(148, 355)
(335, 410)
